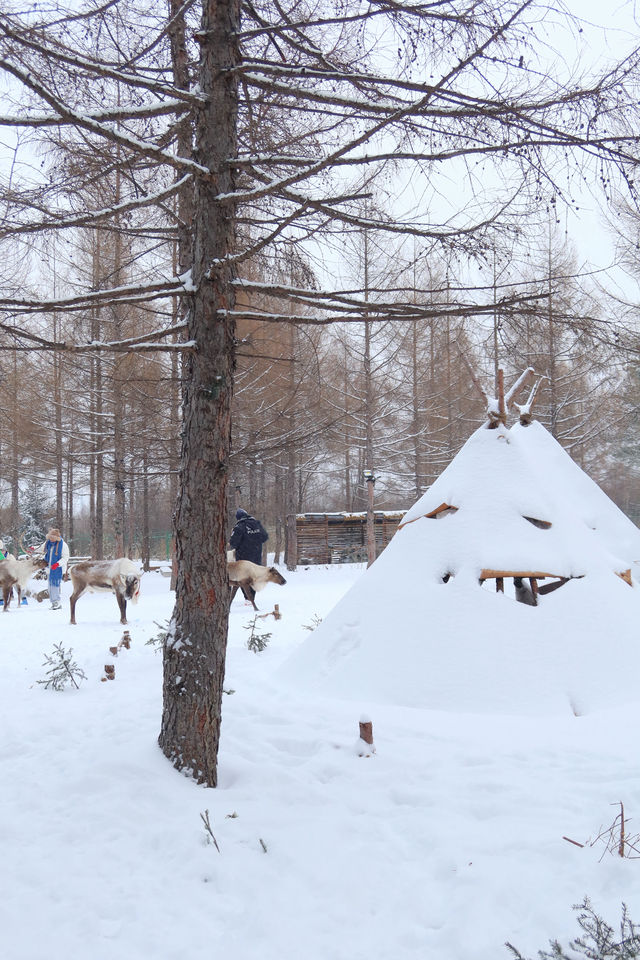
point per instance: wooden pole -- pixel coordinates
(371, 531)
(501, 404)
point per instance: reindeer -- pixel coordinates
(17, 573)
(120, 576)
(251, 577)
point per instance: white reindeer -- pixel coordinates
(17, 573)
(121, 576)
(251, 577)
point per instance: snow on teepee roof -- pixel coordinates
(513, 500)
(418, 629)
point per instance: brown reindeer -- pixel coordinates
(250, 578)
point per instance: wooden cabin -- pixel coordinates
(342, 537)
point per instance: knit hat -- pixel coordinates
(240, 514)
(54, 534)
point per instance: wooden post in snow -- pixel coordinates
(371, 530)
(365, 743)
(502, 409)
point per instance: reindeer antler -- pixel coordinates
(22, 546)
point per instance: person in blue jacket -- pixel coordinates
(247, 537)
(56, 553)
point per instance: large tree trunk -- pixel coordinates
(15, 459)
(183, 250)
(194, 655)
(97, 421)
(57, 399)
(146, 538)
(118, 392)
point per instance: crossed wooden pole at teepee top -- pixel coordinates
(497, 407)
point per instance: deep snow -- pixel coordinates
(446, 843)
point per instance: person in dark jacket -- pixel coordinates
(247, 537)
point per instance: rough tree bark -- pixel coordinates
(195, 650)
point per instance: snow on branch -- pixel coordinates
(524, 409)
(102, 130)
(349, 302)
(92, 217)
(126, 294)
(157, 109)
(28, 341)
(522, 379)
(94, 67)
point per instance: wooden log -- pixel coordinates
(626, 576)
(550, 587)
(490, 574)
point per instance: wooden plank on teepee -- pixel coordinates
(541, 524)
(497, 574)
(442, 511)
(626, 576)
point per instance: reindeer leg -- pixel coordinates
(249, 593)
(122, 603)
(73, 599)
(6, 596)
(234, 590)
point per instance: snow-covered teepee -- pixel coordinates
(435, 621)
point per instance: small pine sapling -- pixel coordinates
(598, 941)
(160, 638)
(257, 641)
(62, 669)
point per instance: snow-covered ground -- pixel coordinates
(445, 844)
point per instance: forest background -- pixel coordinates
(91, 439)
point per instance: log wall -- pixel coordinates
(342, 537)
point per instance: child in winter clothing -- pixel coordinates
(56, 553)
